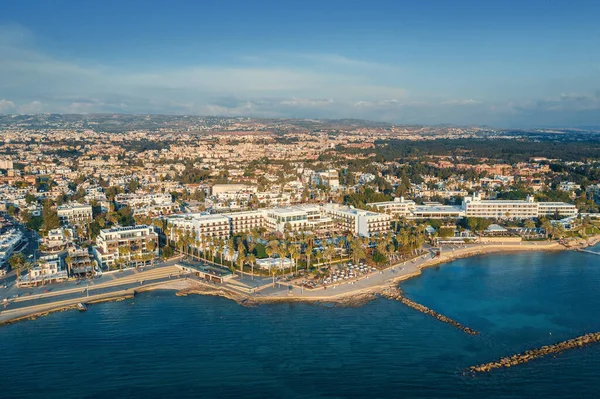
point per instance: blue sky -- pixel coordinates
(502, 63)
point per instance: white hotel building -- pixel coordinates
(74, 214)
(474, 206)
(135, 238)
(205, 226)
(360, 222)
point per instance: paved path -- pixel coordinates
(402, 270)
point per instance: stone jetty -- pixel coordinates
(396, 293)
(529, 355)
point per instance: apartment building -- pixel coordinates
(474, 206)
(328, 178)
(569, 186)
(561, 209)
(75, 214)
(135, 239)
(399, 206)
(201, 226)
(10, 242)
(219, 189)
(289, 219)
(243, 222)
(143, 200)
(80, 262)
(49, 269)
(360, 222)
(435, 210)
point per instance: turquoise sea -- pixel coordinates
(162, 346)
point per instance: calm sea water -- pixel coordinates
(162, 346)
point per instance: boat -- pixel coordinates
(81, 307)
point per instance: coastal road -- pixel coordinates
(131, 280)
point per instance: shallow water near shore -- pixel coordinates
(159, 345)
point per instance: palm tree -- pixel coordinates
(252, 260)
(329, 253)
(94, 265)
(221, 249)
(547, 226)
(123, 253)
(230, 251)
(151, 247)
(308, 251)
(17, 263)
(358, 250)
(271, 249)
(241, 257)
(212, 247)
(529, 224)
(283, 252)
(68, 261)
(294, 255)
(319, 256)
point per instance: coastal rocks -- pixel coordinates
(396, 294)
(529, 355)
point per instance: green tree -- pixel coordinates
(17, 263)
(379, 258)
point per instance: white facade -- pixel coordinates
(436, 211)
(399, 206)
(328, 178)
(232, 189)
(134, 238)
(569, 186)
(9, 242)
(143, 200)
(474, 206)
(243, 222)
(204, 226)
(561, 209)
(357, 221)
(75, 214)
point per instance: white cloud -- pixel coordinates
(460, 102)
(6, 106)
(34, 107)
(270, 84)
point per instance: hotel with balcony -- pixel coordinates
(75, 214)
(244, 222)
(205, 226)
(134, 238)
(359, 222)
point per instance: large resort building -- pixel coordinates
(475, 206)
(201, 227)
(319, 220)
(135, 239)
(357, 221)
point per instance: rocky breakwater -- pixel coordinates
(529, 355)
(396, 294)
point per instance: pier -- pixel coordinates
(587, 251)
(530, 355)
(395, 293)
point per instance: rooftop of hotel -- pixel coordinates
(438, 208)
(118, 229)
(73, 206)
